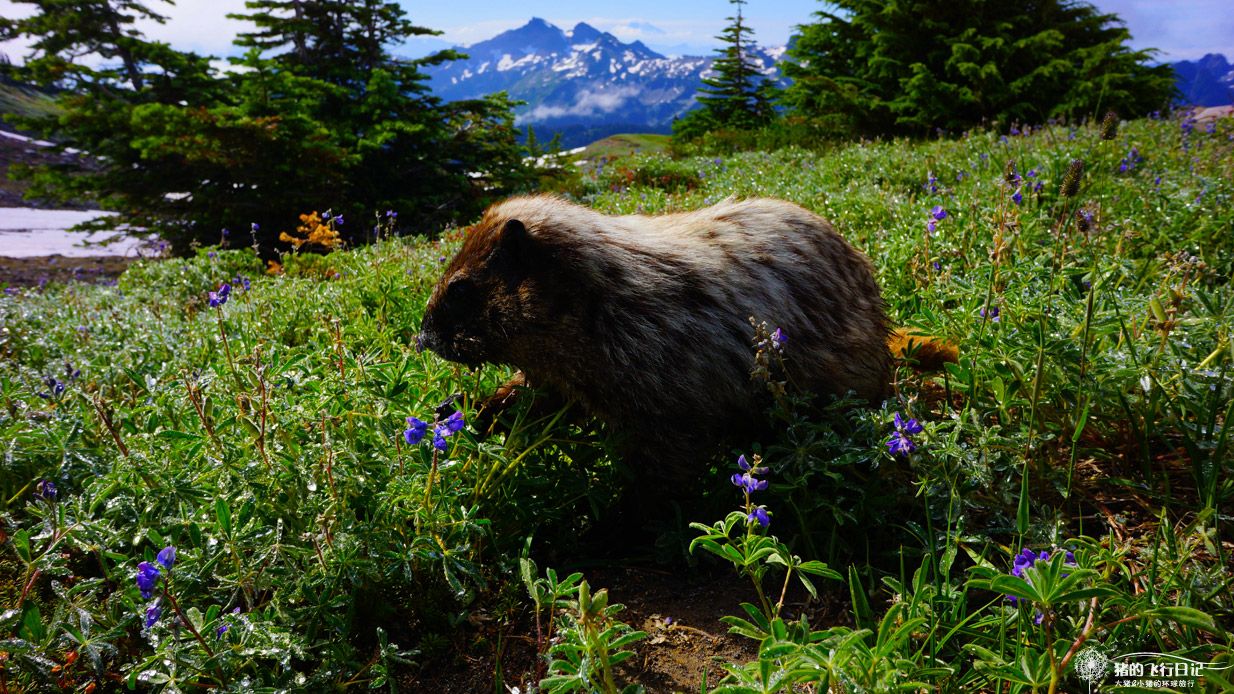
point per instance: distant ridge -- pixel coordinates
(585, 83)
(1208, 81)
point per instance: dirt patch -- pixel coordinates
(680, 611)
(37, 271)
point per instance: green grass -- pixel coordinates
(264, 440)
(624, 145)
(25, 101)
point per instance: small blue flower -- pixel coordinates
(454, 423)
(218, 633)
(899, 444)
(153, 613)
(760, 515)
(991, 313)
(167, 557)
(912, 426)
(779, 339)
(46, 490)
(1026, 559)
(218, 298)
(747, 479)
(938, 213)
(931, 226)
(147, 578)
(416, 430)
(748, 482)
(439, 440)
(1017, 197)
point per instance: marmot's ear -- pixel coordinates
(515, 246)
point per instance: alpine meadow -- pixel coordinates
(235, 469)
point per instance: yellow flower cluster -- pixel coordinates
(314, 230)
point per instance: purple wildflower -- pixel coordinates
(454, 423)
(153, 613)
(416, 430)
(938, 213)
(1017, 197)
(748, 483)
(167, 557)
(747, 479)
(778, 338)
(760, 515)
(912, 426)
(439, 440)
(1023, 561)
(218, 298)
(899, 444)
(45, 490)
(147, 578)
(991, 313)
(931, 226)
(745, 465)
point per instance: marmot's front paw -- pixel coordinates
(493, 406)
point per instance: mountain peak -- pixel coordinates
(583, 33)
(535, 37)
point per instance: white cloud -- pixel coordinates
(588, 103)
(200, 26)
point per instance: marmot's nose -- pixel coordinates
(426, 338)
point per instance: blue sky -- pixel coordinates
(1182, 29)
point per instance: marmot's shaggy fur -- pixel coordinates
(645, 320)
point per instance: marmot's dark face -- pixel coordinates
(477, 306)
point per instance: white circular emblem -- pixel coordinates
(1091, 665)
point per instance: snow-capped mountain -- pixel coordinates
(584, 83)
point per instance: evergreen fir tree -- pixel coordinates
(887, 66)
(329, 119)
(737, 96)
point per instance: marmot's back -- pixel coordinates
(645, 319)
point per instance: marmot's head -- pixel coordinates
(494, 293)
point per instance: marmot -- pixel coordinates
(645, 320)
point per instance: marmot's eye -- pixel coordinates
(461, 289)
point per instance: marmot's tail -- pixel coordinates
(926, 353)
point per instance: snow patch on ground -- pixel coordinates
(26, 233)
